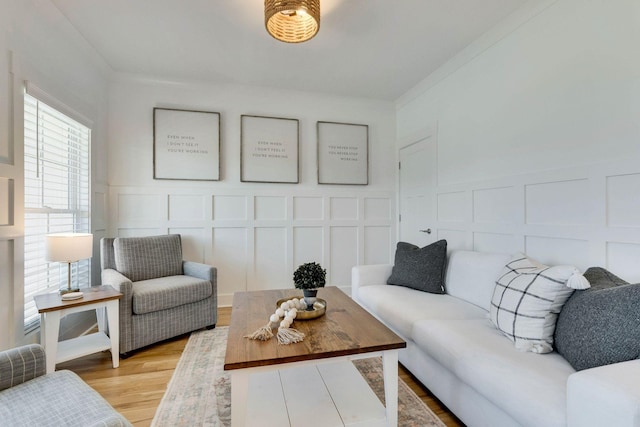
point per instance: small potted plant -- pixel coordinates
(309, 277)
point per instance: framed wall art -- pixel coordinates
(343, 153)
(186, 144)
(268, 149)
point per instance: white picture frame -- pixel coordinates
(186, 144)
(269, 149)
(343, 153)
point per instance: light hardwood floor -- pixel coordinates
(137, 386)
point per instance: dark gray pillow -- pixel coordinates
(420, 268)
(600, 325)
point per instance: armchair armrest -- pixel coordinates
(21, 364)
(366, 275)
(117, 280)
(201, 271)
(614, 388)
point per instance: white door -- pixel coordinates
(417, 192)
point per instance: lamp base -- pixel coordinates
(68, 290)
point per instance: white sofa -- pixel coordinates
(456, 352)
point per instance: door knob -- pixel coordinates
(428, 231)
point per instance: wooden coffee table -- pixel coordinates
(265, 369)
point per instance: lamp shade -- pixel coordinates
(68, 247)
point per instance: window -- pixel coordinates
(56, 197)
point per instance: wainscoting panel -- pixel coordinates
(495, 205)
(583, 216)
(308, 245)
(494, 242)
(622, 260)
(99, 214)
(623, 200)
(230, 207)
(452, 207)
(256, 238)
(552, 251)
(194, 242)
(558, 203)
(6, 291)
(456, 239)
(270, 255)
(344, 208)
(308, 208)
(344, 255)
(377, 241)
(139, 232)
(186, 207)
(141, 207)
(270, 207)
(229, 255)
(377, 209)
(6, 201)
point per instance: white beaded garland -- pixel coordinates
(287, 311)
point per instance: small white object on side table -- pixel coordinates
(52, 308)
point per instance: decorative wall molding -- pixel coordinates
(255, 238)
(586, 216)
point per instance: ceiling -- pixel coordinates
(365, 48)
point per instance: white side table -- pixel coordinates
(52, 308)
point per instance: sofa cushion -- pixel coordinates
(401, 307)
(142, 258)
(168, 292)
(527, 386)
(471, 276)
(60, 398)
(526, 301)
(420, 268)
(601, 325)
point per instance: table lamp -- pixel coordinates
(69, 247)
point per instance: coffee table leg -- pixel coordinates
(390, 373)
(239, 394)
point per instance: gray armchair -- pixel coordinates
(29, 397)
(163, 296)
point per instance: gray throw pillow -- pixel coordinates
(420, 268)
(600, 325)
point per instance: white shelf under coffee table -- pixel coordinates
(311, 383)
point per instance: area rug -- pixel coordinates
(199, 393)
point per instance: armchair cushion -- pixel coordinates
(168, 292)
(143, 258)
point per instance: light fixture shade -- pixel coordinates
(68, 247)
(292, 21)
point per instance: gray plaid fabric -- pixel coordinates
(21, 364)
(57, 399)
(168, 292)
(143, 258)
(139, 330)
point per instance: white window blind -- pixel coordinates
(56, 197)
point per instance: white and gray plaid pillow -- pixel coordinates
(527, 299)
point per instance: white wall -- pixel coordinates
(38, 45)
(538, 136)
(256, 234)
